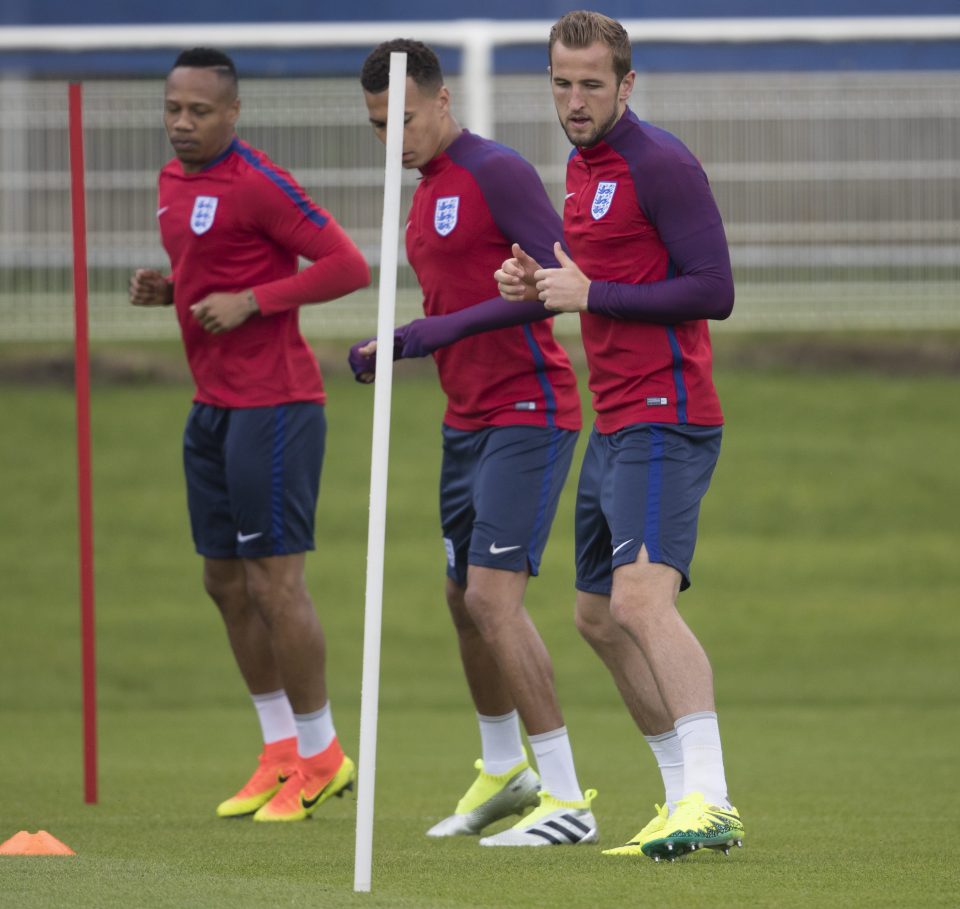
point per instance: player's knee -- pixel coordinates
(596, 626)
(477, 605)
(456, 603)
(227, 588)
(623, 611)
(638, 607)
(454, 594)
(487, 613)
(259, 589)
(462, 620)
(277, 595)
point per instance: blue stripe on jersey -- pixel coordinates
(546, 485)
(550, 399)
(232, 147)
(276, 479)
(678, 382)
(679, 385)
(651, 522)
(293, 193)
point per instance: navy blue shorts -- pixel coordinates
(640, 486)
(253, 475)
(499, 489)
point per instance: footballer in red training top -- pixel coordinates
(235, 227)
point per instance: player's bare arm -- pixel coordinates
(515, 278)
(563, 289)
(220, 312)
(150, 288)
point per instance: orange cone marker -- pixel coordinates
(39, 843)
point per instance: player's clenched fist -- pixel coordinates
(363, 360)
(222, 312)
(149, 288)
(563, 289)
(515, 279)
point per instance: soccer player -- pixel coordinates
(234, 225)
(511, 423)
(648, 265)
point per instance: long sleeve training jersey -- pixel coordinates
(475, 200)
(242, 223)
(641, 222)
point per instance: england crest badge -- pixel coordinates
(445, 214)
(201, 219)
(602, 199)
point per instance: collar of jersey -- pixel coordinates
(229, 150)
(443, 160)
(619, 128)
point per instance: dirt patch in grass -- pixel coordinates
(106, 368)
(882, 354)
(914, 354)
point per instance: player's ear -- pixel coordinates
(443, 99)
(626, 86)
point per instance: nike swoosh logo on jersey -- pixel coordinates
(246, 537)
(616, 549)
(496, 550)
(567, 196)
(160, 211)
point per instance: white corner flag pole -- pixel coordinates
(376, 533)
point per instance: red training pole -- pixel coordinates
(84, 486)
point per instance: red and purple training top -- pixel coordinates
(242, 223)
(475, 199)
(641, 222)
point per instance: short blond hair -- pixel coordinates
(582, 28)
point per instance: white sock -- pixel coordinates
(555, 763)
(500, 742)
(666, 749)
(315, 731)
(275, 715)
(702, 757)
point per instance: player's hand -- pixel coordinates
(363, 360)
(363, 355)
(563, 289)
(219, 313)
(515, 278)
(149, 288)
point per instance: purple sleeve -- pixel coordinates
(699, 283)
(423, 336)
(519, 204)
(521, 209)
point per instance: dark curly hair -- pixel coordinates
(208, 58)
(422, 66)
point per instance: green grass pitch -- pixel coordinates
(826, 591)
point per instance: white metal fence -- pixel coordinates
(840, 191)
